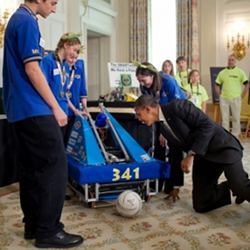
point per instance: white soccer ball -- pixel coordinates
(129, 204)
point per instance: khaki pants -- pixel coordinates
(235, 106)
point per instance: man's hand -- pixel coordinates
(187, 163)
(162, 140)
(60, 116)
(174, 194)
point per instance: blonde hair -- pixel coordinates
(171, 64)
(69, 38)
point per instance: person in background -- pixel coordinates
(182, 72)
(210, 151)
(36, 117)
(56, 69)
(76, 93)
(165, 88)
(198, 94)
(229, 83)
(167, 68)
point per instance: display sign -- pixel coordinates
(214, 71)
(122, 75)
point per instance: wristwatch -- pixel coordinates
(191, 153)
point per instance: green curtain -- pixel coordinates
(138, 30)
(188, 32)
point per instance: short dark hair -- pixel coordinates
(145, 101)
(181, 58)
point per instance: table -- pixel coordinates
(8, 159)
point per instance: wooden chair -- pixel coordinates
(245, 117)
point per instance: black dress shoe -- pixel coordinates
(60, 240)
(67, 197)
(29, 235)
(239, 200)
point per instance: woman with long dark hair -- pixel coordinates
(166, 89)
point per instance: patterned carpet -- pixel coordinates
(161, 224)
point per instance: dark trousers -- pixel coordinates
(208, 194)
(43, 174)
(175, 156)
(176, 174)
(67, 129)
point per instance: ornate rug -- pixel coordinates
(161, 224)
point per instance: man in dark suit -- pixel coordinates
(211, 151)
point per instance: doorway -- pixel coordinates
(98, 56)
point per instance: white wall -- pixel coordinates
(216, 19)
(120, 46)
(55, 25)
(230, 13)
(100, 21)
(207, 40)
(11, 5)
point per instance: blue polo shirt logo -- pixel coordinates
(56, 72)
(35, 51)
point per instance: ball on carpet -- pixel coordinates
(129, 204)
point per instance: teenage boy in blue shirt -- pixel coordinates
(36, 118)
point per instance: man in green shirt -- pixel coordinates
(229, 86)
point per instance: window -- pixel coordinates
(107, 1)
(162, 31)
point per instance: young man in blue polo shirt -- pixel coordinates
(36, 118)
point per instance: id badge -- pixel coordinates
(194, 100)
(42, 42)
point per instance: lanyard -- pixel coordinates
(71, 80)
(197, 89)
(62, 72)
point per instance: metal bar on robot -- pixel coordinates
(115, 134)
(97, 135)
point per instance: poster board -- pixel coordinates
(122, 75)
(214, 71)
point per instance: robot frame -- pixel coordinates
(105, 160)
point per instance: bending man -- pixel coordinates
(211, 151)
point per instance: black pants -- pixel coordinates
(67, 129)
(43, 174)
(176, 174)
(175, 157)
(208, 194)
